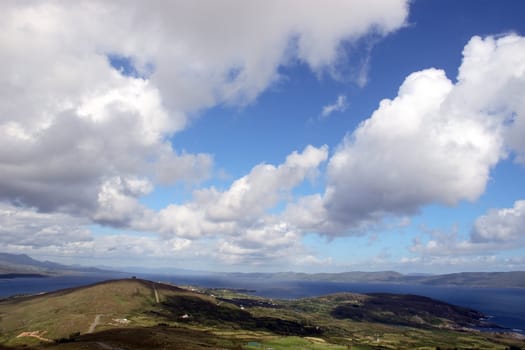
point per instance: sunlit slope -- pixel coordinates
(130, 305)
(139, 314)
(101, 306)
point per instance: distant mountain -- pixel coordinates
(513, 279)
(352, 276)
(22, 265)
(169, 271)
(13, 265)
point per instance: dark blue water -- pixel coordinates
(17, 286)
(506, 306)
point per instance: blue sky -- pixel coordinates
(262, 136)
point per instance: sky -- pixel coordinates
(264, 135)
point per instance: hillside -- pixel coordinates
(140, 314)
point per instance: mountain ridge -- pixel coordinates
(510, 279)
(20, 265)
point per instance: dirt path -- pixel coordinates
(156, 294)
(94, 324)
(35, 334)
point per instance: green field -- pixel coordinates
(139, 314)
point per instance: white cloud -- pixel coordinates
(78, 137)
(264, 186)
(340, 105)
(69, 121)
(117, 201)
(436, 142)
(61, 237)
(172, 167)
(237, 219)
(28, 228)
(496, 231)
(450, 244)
(492, 79)
(232, 211)
(58, 157)
(455, 263)
(81, 141)
(58, 235)
(270, 243)
(501, 225)
(117, 250)
(414, 150)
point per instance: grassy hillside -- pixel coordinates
(139, 314)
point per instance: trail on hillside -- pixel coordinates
(94, 324)
(35, 334)
(156, 294)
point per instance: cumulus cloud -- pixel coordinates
(414, 150)
(255, 247)
(450, 244)
(229, 64)
(117, 200)
(66, 238)
(242, 205)
(436, 142)
(81, 140)
(501, 225)
(125, 245)
(456, 263)
(24, 230)
(459, 261)
(262, 188)
(492, 78)
(340, 105)
(437, 250)
(57, 154)
(28, 228)
(493, 232)
(70, 119)
(238, 219)
(271, 243)
(172, 167)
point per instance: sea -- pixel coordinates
(504, 306)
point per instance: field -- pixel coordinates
(139, 314)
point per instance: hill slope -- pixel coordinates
(139, 314)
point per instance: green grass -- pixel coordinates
(293, 343)
(218, 322)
